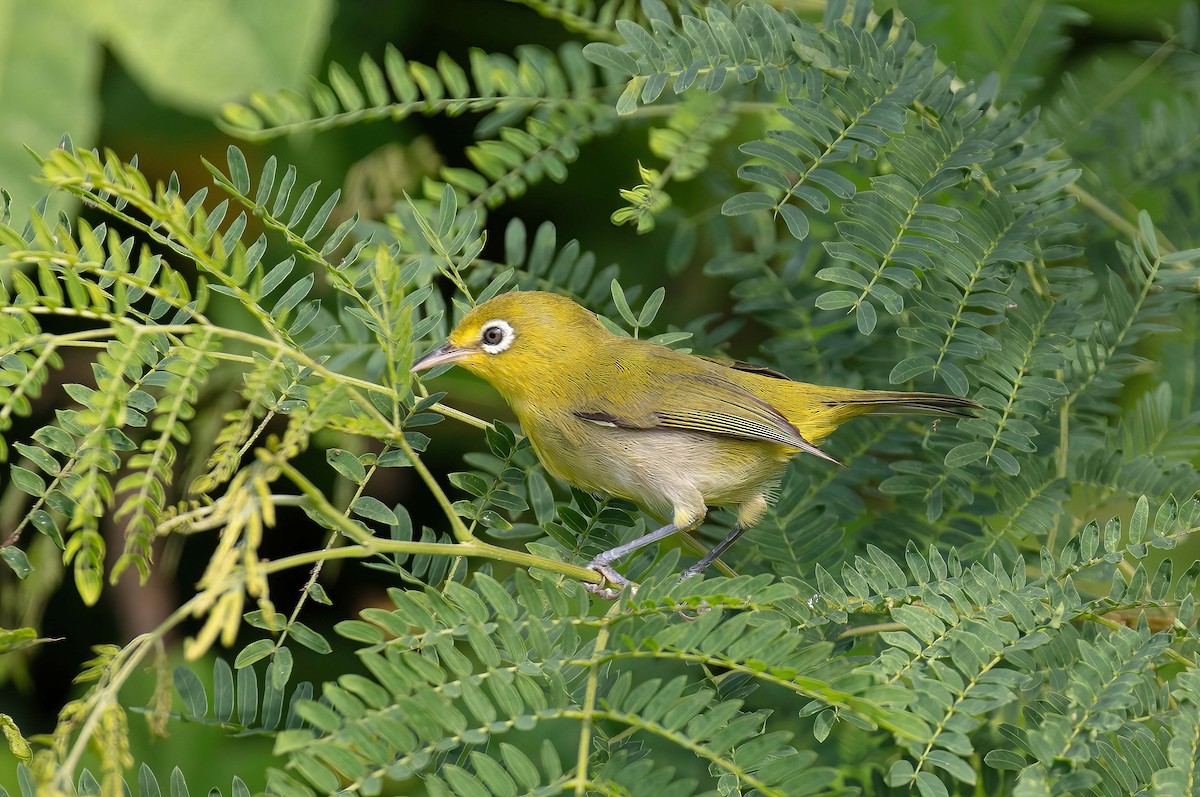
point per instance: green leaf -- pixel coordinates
(472, 483)
(359, 631)
(618, 295)
(540, 497)
(27, 481)
(373, 509)
(836, 300)
(865, 315)
(282, 669)
(255, 651)
(317, 593)
(843, 276)
(1137, 523)
(292, 296)
(309, 638)
(822, 725)
(928, 785)
(794, 218)
(40, 58)
(17, 745)
(347, 464)
(273, 278)
(749, 202)
(965, 453)
(651, 307)
(611, 57)
(239, 172)
(1007, 462)
(911, 368)
(957, 767)
(222, 690)
(188, 685)
(251, 47)
(247, 696)
(15, 558)
(900, 773)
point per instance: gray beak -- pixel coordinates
(446, 353)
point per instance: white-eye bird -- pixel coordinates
(674, 433)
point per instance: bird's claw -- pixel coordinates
(611, 576)
(608, 593)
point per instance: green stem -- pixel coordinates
(368, 545)
(589, 706)
(477, 549)
(461, 532)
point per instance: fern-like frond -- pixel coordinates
(1150, 451)
(1165, 147)
(967, 295)
(154, 347)
(704, 48)
(291, 214)
(518, 158)
(840, 121)
(895, 230)
(1129, 308)
(1019, 380)
(1182, 768)
(526, 667)
(398, 88)
(979, 631)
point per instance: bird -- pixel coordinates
(674, 433)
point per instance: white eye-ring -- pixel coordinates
(497, 336)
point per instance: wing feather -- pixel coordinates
(699, 403)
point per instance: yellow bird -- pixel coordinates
(674, 433)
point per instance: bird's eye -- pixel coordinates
(496, 336)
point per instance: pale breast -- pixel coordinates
(667, 472)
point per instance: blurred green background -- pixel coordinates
(147, 77)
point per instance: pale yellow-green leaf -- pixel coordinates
(49, 71)
(197, 56)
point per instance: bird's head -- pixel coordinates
(518, 340)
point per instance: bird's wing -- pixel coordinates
(700, 403)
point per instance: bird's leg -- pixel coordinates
(720, 548)
(602, 564)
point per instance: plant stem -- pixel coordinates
(589, 704)
(476, 548)
(460, 530)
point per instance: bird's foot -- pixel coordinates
(611, 576)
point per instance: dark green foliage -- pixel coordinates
(1001, 604)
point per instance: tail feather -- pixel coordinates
(883, 402)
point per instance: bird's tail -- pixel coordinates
(817, 410)
(885, 402)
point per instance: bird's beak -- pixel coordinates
(446, 353)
